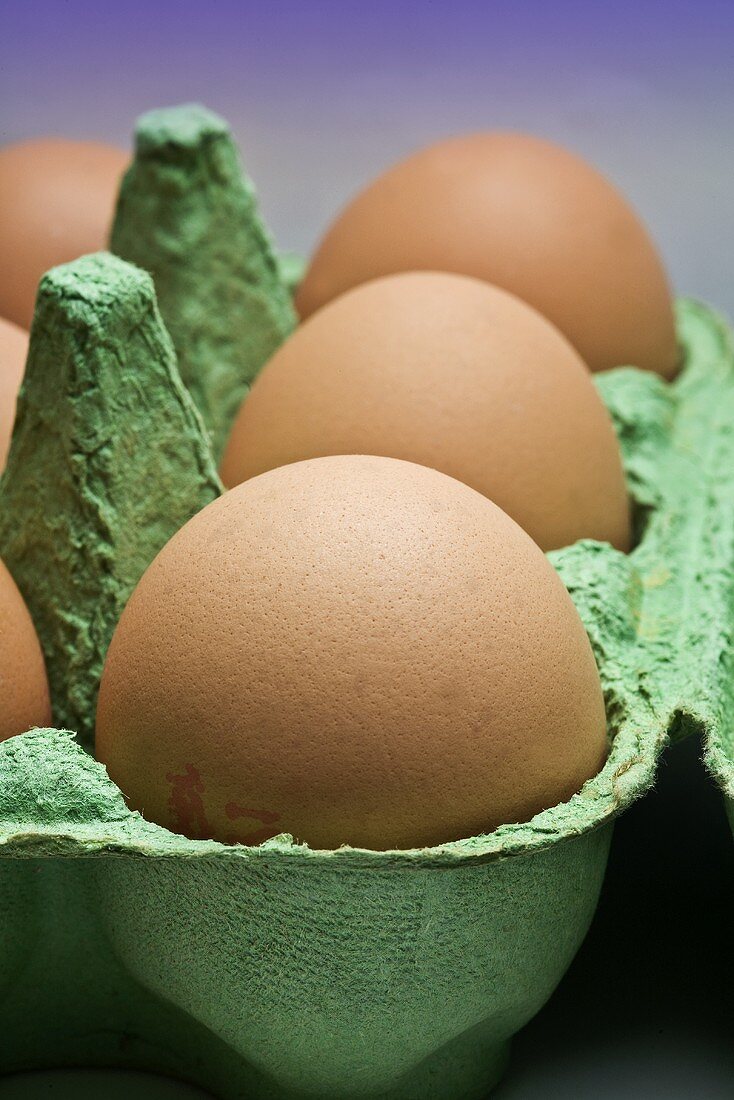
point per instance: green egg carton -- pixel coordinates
(719, 757)
(719, 745)
(278, 972)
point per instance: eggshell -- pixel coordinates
(352, 650)
(521, 213)
(24, 697)
(56, 203)
(452, 373)
(13, 353)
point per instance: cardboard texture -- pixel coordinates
(95, 505)
(188, 216)
(279, 972)
(716, 662)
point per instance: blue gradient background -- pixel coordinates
(322, 94)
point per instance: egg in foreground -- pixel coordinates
(24, 696)
(452, 373)
(56, 203)
(354, 650)
(524, 214)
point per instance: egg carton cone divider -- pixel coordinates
(188, 214)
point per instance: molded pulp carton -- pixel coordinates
(278, 972)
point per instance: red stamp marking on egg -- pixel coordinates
(186, 803)
(266, 817)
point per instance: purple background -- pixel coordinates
(322, 94)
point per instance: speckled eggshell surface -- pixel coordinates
(524, 214)
(452, 373)
(24, 698)
(56, 203)
(354, 650)
(13, 353)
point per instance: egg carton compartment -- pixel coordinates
(278, 972)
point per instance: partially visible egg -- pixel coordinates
(354, 650)
(24, 697)
(448, 372)
(13, 353)
(526, 215)
(57, 198)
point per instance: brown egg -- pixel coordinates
(24, 698)
(451, 373)
(352, 650)
(13, 352)
(56, 203)
(523, 214)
